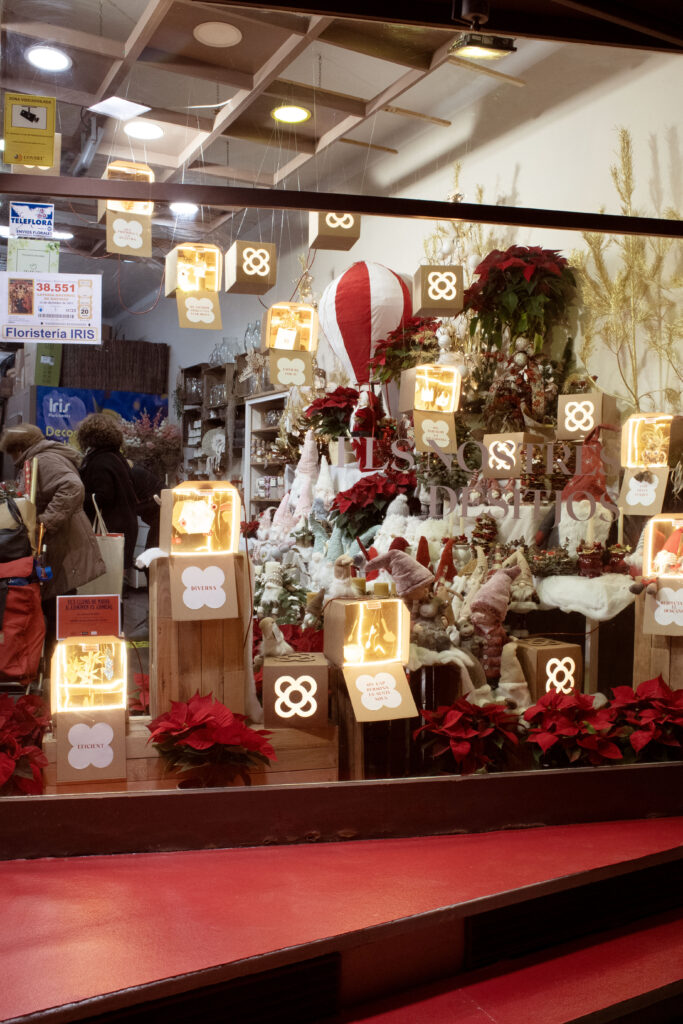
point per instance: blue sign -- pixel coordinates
(60, 410)
(31, 220)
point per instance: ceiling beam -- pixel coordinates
(379, 206)
(186, 120)
(649, 26)
(60, 92)
(138, 39)
(68, 37)
(224, 171)
(196, 69)
(299, 93)
(277, 137)
(482, 69)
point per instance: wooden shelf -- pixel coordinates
(269, 431)
(272, 501)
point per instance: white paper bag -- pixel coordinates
(111, 549)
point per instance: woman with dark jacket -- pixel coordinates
(107, 478)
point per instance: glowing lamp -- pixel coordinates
(367, 631)
(193, 267)
(328, 229)
(646, 440)
(295, 691)
(578, 414)
(437, 290)
(292, 327)
(550, 666)
(127, 171)
(250, 267)
(204, 518)
(89, 674)
(663, 548)
(437, 388)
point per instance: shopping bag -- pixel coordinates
(111, 550)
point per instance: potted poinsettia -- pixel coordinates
(330, 415)
(22, 725)
(209, 744)
(412, 343)
(649, 720)
(364, 505)
(570, 731)
(465, 738)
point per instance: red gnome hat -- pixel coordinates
(399, 544)
(422, 553)
(446, 569)
(408, 575)
(372, 553)
(674, 542)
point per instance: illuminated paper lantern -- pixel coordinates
(193, 267)
(89, 673)
(250, 268)
(432, 393)
(328, 229)
(369, 640)
(295, 691)
(663, 548)
(126, 171)
(437, 290)
(291, 336)
(577, 415)
(550, 666)
(651, 441)
(200, 517)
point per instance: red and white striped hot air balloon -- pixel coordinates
(358, 309)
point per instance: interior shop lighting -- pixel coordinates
(48, 58)
(117, 107)
(289, 113)
(476, 46)
(184, 209)
(217, 34)
(145, 130)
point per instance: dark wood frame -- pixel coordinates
(136, 822)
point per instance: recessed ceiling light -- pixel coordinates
(48, 58)
(290, 114)
(482, 47)
(217, 33)
(63, 235)
(119, 108)
(143, 130)
(183, 209)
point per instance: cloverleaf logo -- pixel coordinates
(378, 691)
(199, 310)
(333, 220)
(203, 587)
(669, 611)
(502, 455)
(579, 416)
(296, 696)
(641, 492)
(90, 745)
(560, 675)
(127, 233)
(436, 431)
(291, 371)
(256, 261)
(442, 285)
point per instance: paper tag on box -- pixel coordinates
(664, 611)
(379, 691)
(642, 491)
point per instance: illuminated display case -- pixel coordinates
(89, 674)
(663, 548)
(437, 388)
(291, 327)
(645, 441)
(127, 171)
(204, 518)
(367, 632)
(193, 267)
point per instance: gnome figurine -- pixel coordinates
(413, 581)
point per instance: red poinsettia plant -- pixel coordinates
(650, 721)
(412, 343)
(331, 414)
(526, 289)
(363, 505)
(249, 528)
(213, 745)
(568, 730)
(138, 698)
(466, 738)
(22, 725)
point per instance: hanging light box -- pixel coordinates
(437, 290)
(651, 443)
(200, 529)
(577, 415)
(291, 337)
(193, 275)
(329, 229)
(663, 560)
(432, 393)
(250, 268)
(369, 641)
(129, 225)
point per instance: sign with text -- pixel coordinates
(62, 308)
(92, 615)
(33, 255)
(31, 220)
(29, 129)
(60, 410)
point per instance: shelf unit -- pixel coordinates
(208, 404)
(256, 410)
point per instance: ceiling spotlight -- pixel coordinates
(477, 46)
(183, 209)
(65, 236)
(217, 33)
(122, 110)
(48, 58)
(290, 114)
(143, 130)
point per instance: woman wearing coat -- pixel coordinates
(107, 478)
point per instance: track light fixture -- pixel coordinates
(475, 44)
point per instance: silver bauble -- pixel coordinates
(521, 359)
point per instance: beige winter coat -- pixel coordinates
(72, 550)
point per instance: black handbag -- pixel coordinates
(14, 542)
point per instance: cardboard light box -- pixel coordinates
(507, 454)
(550, 666)
(250, 267)
(577, 415)
(437, 290)
(295, 691)
(663, 614)
(642, 491)
(434, 429)
(193, 267)
(651, 441)
(329, 229)
(91, 745)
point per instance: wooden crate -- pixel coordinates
(186, 657)
(302, 756)
(655, 655)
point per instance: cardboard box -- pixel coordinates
(663, 548)
(203, 587)
(577, 415)
(367, 631)
(507, 454)
(288, 369)
(328, 229)
(550, 666)
(652, 440)
(193, 267)
(291, 327)
(430, 387)
(437, 290)
(295, 691)
(435, 429)
(91, 745)
(642, 491)
(663, 613)
(129, 234)
(250, 267)
(379, 692)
